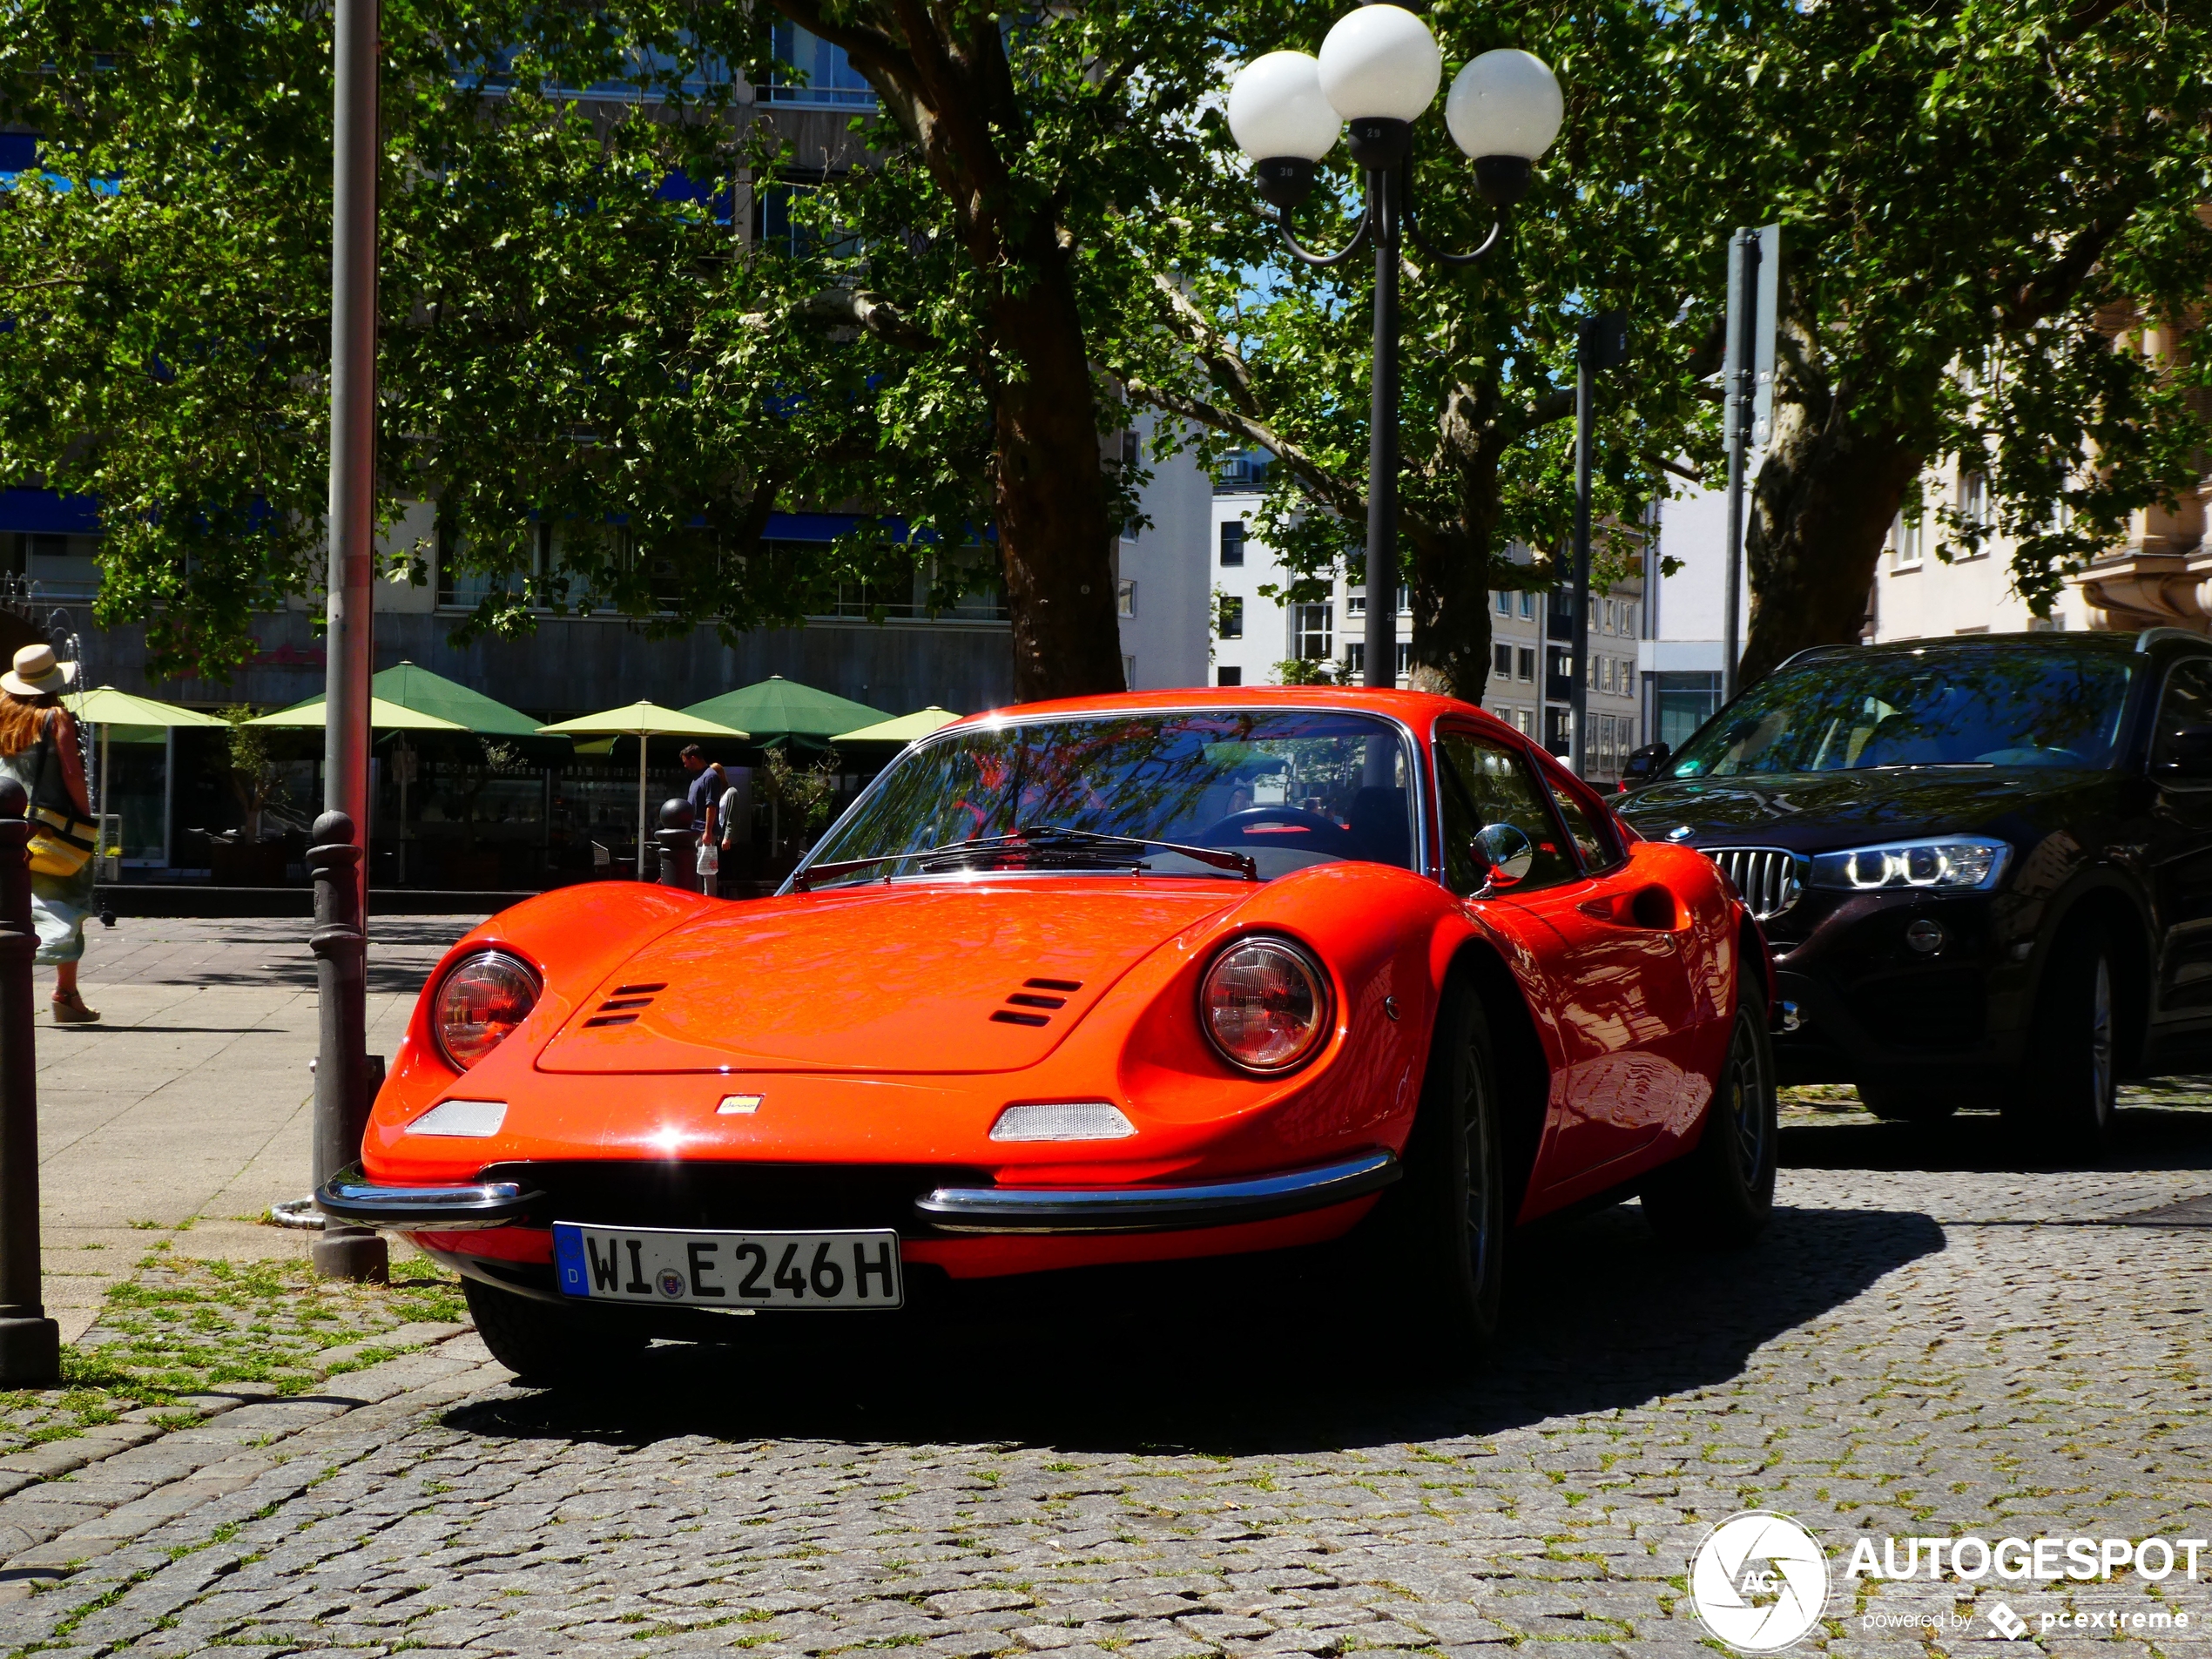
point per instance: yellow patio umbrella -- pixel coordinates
(904, 729)
(383, 716)
(106, 708)
(642, 719)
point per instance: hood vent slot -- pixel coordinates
(622, 1007)
(1028, 998)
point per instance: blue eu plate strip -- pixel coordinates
(568, 1259)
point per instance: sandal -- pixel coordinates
(71, 1009)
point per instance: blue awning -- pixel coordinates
(41, 512)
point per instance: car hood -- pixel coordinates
(1809, 811)
(883, 979)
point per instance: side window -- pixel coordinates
(1479, 784)
(2185, 706)
(1594, 839)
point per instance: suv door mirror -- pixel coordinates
(1643, 765)
(2187, 754)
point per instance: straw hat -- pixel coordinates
(36, 673)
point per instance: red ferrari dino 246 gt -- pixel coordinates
(1116, 979)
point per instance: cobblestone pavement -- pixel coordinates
(1931, 1341)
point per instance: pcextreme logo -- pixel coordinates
(1759, 1581)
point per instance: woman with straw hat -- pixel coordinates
(39, 743)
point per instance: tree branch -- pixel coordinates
(857, 308)
(1325, 485)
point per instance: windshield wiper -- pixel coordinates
(1045, 843)
(1219, 858)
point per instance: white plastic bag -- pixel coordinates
(708, 862)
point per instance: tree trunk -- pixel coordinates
(1050, 492)
(1819, 514)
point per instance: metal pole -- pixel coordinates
(642, 741)
(30, 1343)
(1578, 691)
(341, 1066)
(1742, 312)
(343, 1089)
(1381, 667)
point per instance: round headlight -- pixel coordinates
(479, 1002)
(1266, 1004)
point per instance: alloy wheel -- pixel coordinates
(2100, 1077)
(1746, 1090)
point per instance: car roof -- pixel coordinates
(2052, 642)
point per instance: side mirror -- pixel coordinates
(1643, 765)
(1504, 854)
(2188, 752)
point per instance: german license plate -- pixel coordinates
(840, 1270)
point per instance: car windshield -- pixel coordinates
(1850, 712)
(1284, 789)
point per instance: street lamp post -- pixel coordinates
(1377, 71)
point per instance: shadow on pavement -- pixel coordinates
(2143, 1138)
(1246, 1355)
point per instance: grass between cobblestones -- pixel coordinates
(184, 1326)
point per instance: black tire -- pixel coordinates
(1720, 1194)
(1897, 1103)
(1445, 1235)
(2067, 1092)
(546, 1344)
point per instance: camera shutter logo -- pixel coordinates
(1759, 1581)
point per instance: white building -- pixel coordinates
(1160, 574)
(1253, 635)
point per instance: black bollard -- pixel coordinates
(343, 1090)
(678, 847)
(30, 1343)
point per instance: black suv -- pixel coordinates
(1985, 865)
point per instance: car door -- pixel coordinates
(2180, 844)
(1616, 963)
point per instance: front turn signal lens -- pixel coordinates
(1265, 1003)
(479, 1004)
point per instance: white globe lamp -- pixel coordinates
(1278, 117)
(1504, 110)
(1380, 70)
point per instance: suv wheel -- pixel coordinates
(2070, 1088)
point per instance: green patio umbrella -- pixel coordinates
(428, 693)
(905, 729)
(642, 719)
(776, 710)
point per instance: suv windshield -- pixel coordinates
(1850, 712)
(1286, 789)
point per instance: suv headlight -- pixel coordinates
(1941, 863)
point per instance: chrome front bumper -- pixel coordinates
(1145, 1210)
(351, 1198)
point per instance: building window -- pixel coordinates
(1355, 660)
(1502, 661)
(1404, 600)
(1505, 603)
(811, 72)
(1232, 541)
(1404, 657)
(1906, 542)
(1682, 703)
(1527, 604)
(1312, 633)
(1974, 500)
(1524, 664)
(1230, 616)
(1229, 677)
(1355, 604)
(1125, 596)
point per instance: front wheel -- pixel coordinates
(544, 1343)
(1721, 1193)
(1446, 1248)
(2070, 1088)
